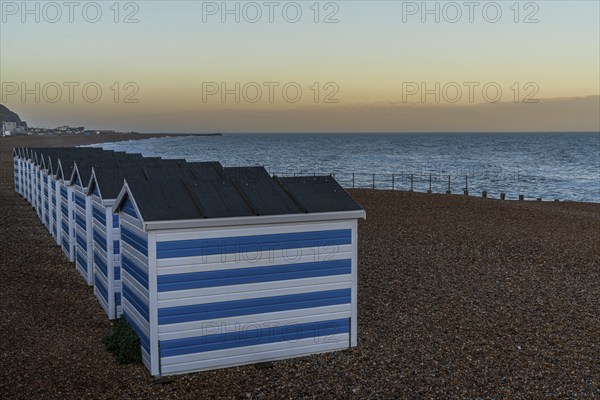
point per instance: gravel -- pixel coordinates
(458, 298)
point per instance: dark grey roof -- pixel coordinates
(242, 192)
(176, 189)
(318, 194)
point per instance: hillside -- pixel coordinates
(9, 116)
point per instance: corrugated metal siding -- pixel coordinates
(249, 294)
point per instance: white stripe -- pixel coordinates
(212, 233)
(134, 286)
(252, 291)
(99, 275)
(126, 219)
(217, 262)
(251, 354)
(134, 255)
(246, 322)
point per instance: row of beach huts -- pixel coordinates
(211, 266)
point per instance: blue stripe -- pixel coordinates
(96, 192)
(129, 209)
(134, 241)
(243, 338)
(101, 264)
(258, 243)
(65, 227)
(143, 338)
(65, 245)
(118, 299)
(101, 288)
(117, 272)
(99, 216)
(115, 220)
(80, 201)
(135, 271)
(63, 193)
(81, 261)
(116, 247)
(65, 210)
(99, 239)
(54, 229)
(80, 221)
(137, 303)
(239, 276)
(224, 309)
(81, 241)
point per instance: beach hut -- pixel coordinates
(66, 162)
(241, 269)
(54, 195)
(16, 167)
(31, 177)
(104, 187)
(82, 208)
(24, 176)
(37, 186)
(46, 189)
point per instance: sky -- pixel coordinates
(304, 66)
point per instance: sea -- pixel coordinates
(564, 166)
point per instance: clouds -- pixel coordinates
(561, 114)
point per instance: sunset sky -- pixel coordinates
(493, 67)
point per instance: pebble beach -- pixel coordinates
(459, 297)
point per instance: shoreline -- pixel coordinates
(7, 144)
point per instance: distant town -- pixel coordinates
(13, 125)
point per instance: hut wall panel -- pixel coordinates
(83, 246)
(135, 293)
(103, 259)
(45, 198)
(57, 212)
(255, 293)
(52, 206)
(16, 173)
(67, 220)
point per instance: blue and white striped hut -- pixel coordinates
(67, 198)
(30, 177)
(24, 175)
(237, 270)
(37, 185)
(17, 169)
(45, 190)
(54, 196)
(104, 188)
(84, 234)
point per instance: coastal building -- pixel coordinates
(240, 269)
(9, 128)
